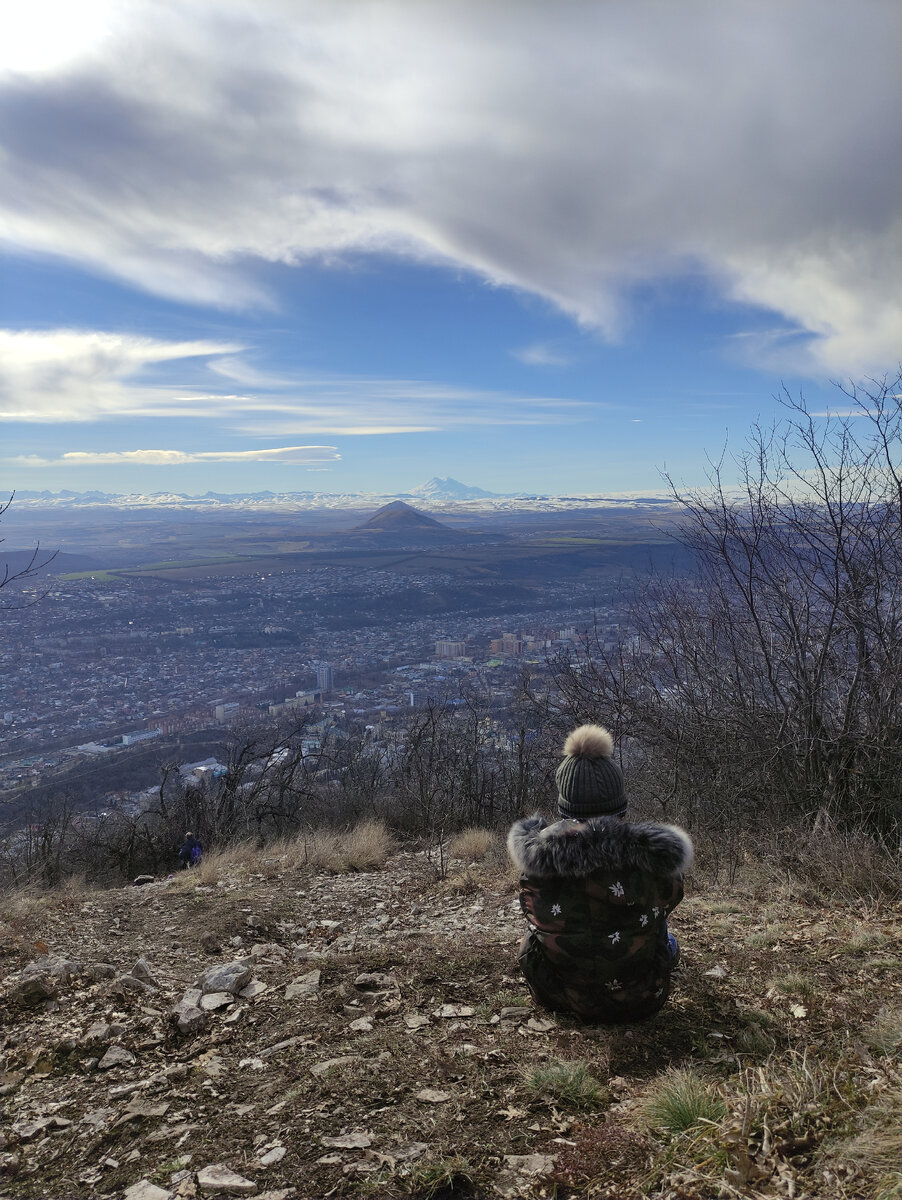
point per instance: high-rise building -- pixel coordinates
(449, 649)
(324, 677)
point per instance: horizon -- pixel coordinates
(336, 249)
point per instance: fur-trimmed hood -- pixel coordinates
(575, 848)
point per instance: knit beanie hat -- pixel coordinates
(589, 782)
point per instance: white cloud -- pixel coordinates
(77, 376)
(570, 149)
(541, 354)
(298, 456)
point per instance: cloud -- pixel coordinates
(570, 150)
(296, 456)
(541, 354)
(78, 376)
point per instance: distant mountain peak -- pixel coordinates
(398, 516)
(439, 488)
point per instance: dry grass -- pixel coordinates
(216, 865)
(885, 1035)
(365, 847)
(473, 844)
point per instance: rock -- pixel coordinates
(717, 972)
(34, 990)
(540, 1024)
(416, 1021)
(360, 1139)
(141, 970)
(303, 987)
(254, 988)
(361, 1025)
(25, 1130)
(219, 1178)
(514, 1012)
(145, 1190)
(433, 1096)
(189, 1018)
(226, 977)
(131, 983)
(286, 1044)
(455, 1010)
(272, 1156)
(323, 1068)
(98, 1032)
(97, 971)
(140, 881)
(211, 944)
(214, 1000)
(375, 982)
(116, 1056)
(58, 968)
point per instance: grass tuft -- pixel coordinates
(679, 1100)
(885, 1035)
(472, 845)
(569, 1083)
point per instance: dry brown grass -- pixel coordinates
(364, 847)
(228, 862)
(473, 844)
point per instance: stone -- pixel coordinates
(375, 981)
(433, 1096)
(219, 1178)
(34, 990)
(303, 987)
(214, 1000)
(361, 1025)
(514, 1012)
(141, 970)
(189, 1018)
(226, 977)
(323, 1068)
(131, 983)
(145, 1190)
(141, 881)
(272, 1156)
(254, 988)
(455, 1010)
(116, 1056)
(416, 1021)
(97, 971)
(98, 1032)
(360, 1139)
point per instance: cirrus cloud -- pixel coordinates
(298, 456)
(571, 150)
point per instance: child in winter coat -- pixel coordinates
(597, 892)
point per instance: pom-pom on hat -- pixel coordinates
(589, 782)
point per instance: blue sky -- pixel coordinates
(347, 246)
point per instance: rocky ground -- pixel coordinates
(286, 1033)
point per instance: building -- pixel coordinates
(449, 649)
(324, 679)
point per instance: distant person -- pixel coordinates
(191, 852)
(597, 892)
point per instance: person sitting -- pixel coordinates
(191, 851)
(597, 892)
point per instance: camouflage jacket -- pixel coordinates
(597, 894)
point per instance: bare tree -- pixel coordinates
(771, 678)
(31, 567)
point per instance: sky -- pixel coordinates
(347, 245)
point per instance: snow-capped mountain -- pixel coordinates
(474, 500)
(438, 488)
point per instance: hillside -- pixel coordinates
(382, 1041)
